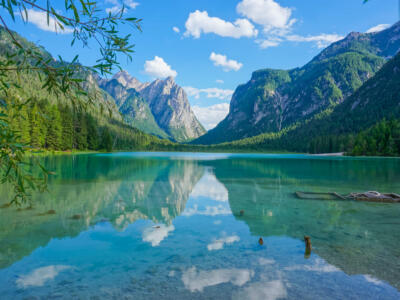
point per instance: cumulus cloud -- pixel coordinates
(378, 28)
(210, 116)
(117, 5)
(176, 29)
(267, 13)
(209, 93)
(39, 18)
(272, 42)
(156, 234)
(200, 22)
(198, 280)
(218, 244)
(158, 68)
(40, 276)
(226, 64)
(322, 40)
(131, 4)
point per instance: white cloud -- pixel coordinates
(113, 10)
(226, 64)
(200, 22)
(156, 234)
(378, 28)
(220, 81)
(219, 243)
(267, 13)
(209, 92)
(176, 29)
(131, 4)
(198, 280)
(117, 5)
(209, 187)
(210, 116)
(39, 18)
(322, 40)
(158, 68)
(273, 42)
(40, 276)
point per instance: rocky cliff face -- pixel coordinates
(168, 104)
(133, 107)
(171, 109)
(276, 99)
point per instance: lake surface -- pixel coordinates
(168, 226)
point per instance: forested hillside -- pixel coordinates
(346, 127)
(46, 120)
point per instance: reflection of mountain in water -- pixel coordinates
(90, 189)
(359, 238)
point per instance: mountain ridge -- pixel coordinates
(167, 102)
(276, 99)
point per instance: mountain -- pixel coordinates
(276, 99)
(133, 107)
(335, 129)
(167, 102)
(60, 122)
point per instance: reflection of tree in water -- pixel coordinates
(359, 238)
(88, 190)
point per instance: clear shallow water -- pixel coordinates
(168, 225)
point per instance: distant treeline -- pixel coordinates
(383, 139)
(45, 125)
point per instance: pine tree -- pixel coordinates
(67, 140)
(38, 129)
(106, 140)
(81, 131)
(54, 129)
(92, 135)
(25, 125)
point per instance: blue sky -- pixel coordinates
(212, 46)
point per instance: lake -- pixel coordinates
(187, 226)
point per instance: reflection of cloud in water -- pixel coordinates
(210, 187)
(208, 211)
(373, 280)
(319, 266)
(40, 276)
(197, 280)
(219, 244)
(265, 261)
(217, 222)
(271, 290)
(156, 235)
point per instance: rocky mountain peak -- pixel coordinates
(128, 81)
(167, 101)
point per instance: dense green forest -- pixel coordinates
(383, 139)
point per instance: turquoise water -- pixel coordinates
(168, 226)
